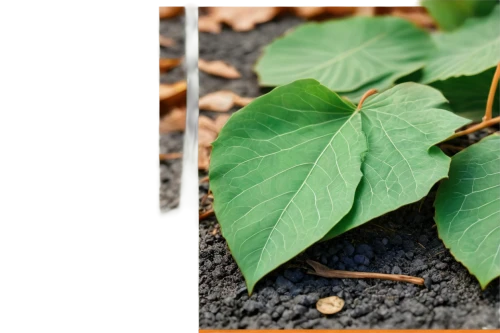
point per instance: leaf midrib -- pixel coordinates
(299, 189)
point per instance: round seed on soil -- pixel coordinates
(330, 305)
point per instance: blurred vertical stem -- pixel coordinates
(190, 161)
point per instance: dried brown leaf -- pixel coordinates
(208, 129)
(365, 11)
(168, 63)
(207, 126)
(222, 101)
(218, 68)
(330, 305)
(166, 42)
(174, 121)
(243, 18)
(419, 17)
(308, 12)
(172, 95)
(341, 11)
(242, 101)
(220, 121)
(168, 12)
(208, 24)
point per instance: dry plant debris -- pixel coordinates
(219, 68)
(166, 41)
(168, 12)
(324, 271)
(208, 130)
(173, 121)
(330, 305)
(170, 156)
(172, 95)
(167, 64)
(245, 18)
(314, 12)
(222, 101)
(209, 24)
(238, 18)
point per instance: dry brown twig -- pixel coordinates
(323, 271)
(206, 214)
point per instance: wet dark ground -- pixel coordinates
(401, 242)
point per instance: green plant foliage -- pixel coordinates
(348, 56)
(285, 169)
(468, 209)
(451, 14)
(402, 126)
(470, 50)
(468, 94)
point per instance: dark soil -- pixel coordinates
(401, 242)
(170, 171)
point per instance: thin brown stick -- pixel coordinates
(204, 179)
(206, 214)
(365, 96)
(477, 127)
(171, 156)
(322, 270)
(491, 95)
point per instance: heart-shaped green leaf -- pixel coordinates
(470, 50)
(468, 94)
(284, 170)
(468, 209)
(451, 14)
(402, 125)
(347, 54)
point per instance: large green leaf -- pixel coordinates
(347, 54)
(284, 170)
(470, 50)
(468, 94)
(451, 14)
(468, 209)
(402, 126)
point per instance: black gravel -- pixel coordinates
(401, 242)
